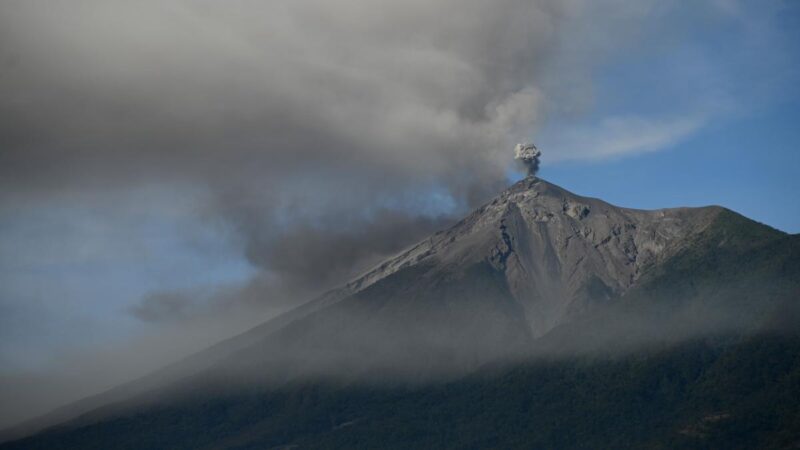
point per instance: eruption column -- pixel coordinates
(528, 155)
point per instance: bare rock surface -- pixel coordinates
(557, 250)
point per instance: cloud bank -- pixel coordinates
(318, 130)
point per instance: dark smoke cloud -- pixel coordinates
(528, 156)
(287, 114)
(298, 265)
(163, 306)
(318, 257)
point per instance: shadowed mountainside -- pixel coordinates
(540, 282)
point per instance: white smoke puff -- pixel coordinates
(528, 155)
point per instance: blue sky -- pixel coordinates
(736, 80)
(69, 269)
(748, 164)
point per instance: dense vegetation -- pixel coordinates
(711, 393)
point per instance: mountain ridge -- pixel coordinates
(524, 264)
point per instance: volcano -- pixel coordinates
(510, 329)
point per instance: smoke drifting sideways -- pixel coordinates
(528, 155)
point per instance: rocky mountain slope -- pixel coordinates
(559, 253)
(537, 269)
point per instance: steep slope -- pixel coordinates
(558, 254)
(734, 277)
(535, 267)
(534, 258)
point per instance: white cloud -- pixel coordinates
(619, 136)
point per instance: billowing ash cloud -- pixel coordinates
(528, 155)
(283, 114)
(298, 122)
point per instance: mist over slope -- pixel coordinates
(723, 393)
(535, 274)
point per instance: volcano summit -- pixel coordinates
(531, 308)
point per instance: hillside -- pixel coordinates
(543, 319)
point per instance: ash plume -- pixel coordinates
(528, 155)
